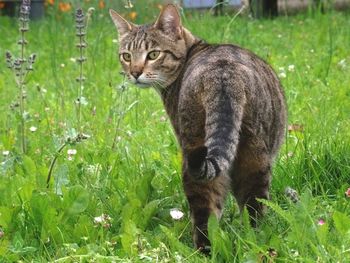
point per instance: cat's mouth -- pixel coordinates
(142, 84)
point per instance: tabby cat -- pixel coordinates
(226, 106)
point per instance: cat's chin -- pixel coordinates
(142, 85)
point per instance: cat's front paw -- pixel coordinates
(200, 167)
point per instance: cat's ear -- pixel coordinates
(169, 21)
(123, 26)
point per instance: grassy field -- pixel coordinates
(110, 196)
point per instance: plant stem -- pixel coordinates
(53, 162)
(21, 84)
(80, 80)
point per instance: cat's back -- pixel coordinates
(231, 73)
(218, 61)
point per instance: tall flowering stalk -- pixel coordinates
(21, 67)
(76, 137)
(81, 45)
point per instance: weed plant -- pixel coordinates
(21, 66)
(113, 195)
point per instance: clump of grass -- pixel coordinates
(21, 66)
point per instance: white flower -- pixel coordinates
(63, 65)
(291, 68)
(104, 220)
(33, 129)
(342, 63)
(5, 153)
(176, 214)
(70, 158)
(115, 41)
(73, 59)
(71, 151)
(282, 75)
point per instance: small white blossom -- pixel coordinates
(282, 75)
(176, 214)
(104, 220)
(71, 151)
(291, 68)
(5, 153)
(342, 63)
(33, 129)
(73, 59)
(115, 41)
(63, 65)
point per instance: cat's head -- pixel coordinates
(154, 54)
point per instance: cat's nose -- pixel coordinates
(136, 74)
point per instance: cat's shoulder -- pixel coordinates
(207, 58)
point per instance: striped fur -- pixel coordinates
(226, 106)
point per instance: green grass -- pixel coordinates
(138, 181)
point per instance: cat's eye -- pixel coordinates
(126, 57)
(153, 55)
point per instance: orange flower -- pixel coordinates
(50, 2)
(2, 5)
(133, 15)
(64, 7)
(101, 4)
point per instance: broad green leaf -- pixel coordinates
(341, 222)
(129, 238)
(147, 212)
(60, 178)
(143, 186)
(77, 200)
(29, 166)
(5, 216)
(322, 234)
(39, 204)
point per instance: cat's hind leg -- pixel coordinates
(251, 177)
(205, 198)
